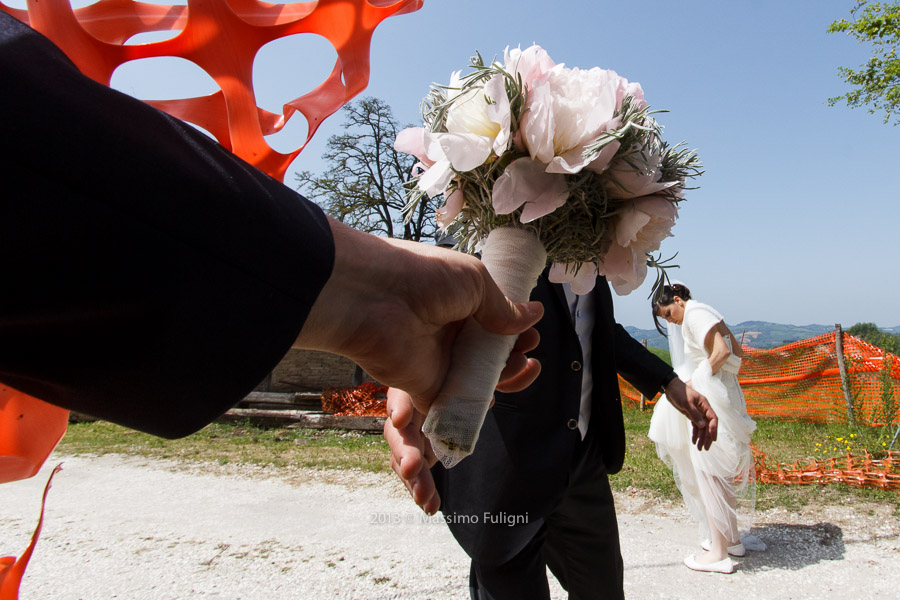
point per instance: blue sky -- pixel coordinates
(796, 216)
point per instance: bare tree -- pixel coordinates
(365, 183)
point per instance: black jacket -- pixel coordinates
(149, 276)
(520, 465)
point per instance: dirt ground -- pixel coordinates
(133, 528)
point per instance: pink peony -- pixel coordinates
(639, 229)
(529, 64)
(566, 111)
(524, 181)
(636, 174)
(453, 204)
(632, 89)
(581, 277)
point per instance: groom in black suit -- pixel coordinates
(535, 492)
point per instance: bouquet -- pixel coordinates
(539, 163)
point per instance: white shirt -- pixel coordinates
(581, 309)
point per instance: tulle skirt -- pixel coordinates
(718, 484)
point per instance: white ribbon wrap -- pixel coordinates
(515, 259)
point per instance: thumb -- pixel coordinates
(498, 314)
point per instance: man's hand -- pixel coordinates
(395, 308)
(411, 453)
(695, 407)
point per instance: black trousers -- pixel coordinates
(579, 542)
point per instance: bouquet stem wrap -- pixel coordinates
(515, 259)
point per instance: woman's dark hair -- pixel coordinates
(666, 296)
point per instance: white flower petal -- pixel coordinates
(465, 151)
(432, 144)
(499, 112)
(435, 180)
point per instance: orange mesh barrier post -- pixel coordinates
(29, 431)
(12, 570)
(223, 38)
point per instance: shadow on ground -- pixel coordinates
(793, 547)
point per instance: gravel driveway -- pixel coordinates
(136, 528)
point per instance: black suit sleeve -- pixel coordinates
(640, 367)
(149, 276)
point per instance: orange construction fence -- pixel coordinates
(367, 399)
(802, 382)
(853, 470)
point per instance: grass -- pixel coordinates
(242, 443)
(782, 442)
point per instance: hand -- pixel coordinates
(695, 407)
(395, 308)
(411, 454)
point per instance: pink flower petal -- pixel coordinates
(581, 277)
(450, 210)
(599, 164)
(537, 123)
(646, 221)
(642, 179)
(530, 63)
(525, 182)
(412, 141)
(629, 224)
(624, 269)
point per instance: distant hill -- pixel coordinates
(756, 334)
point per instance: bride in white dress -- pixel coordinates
(719, 485)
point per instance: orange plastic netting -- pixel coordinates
(802, 382)
(223, 37)
(367, 399)
(852, 470)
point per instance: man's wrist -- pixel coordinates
(667, 380)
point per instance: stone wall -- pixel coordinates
(312, 371)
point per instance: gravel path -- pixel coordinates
(135, 528)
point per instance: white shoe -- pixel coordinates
(736, 550)
(723, 566)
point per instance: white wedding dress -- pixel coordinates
(721, 481)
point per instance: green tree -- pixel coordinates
(364, 185)
(869, 332)
(877, 82)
